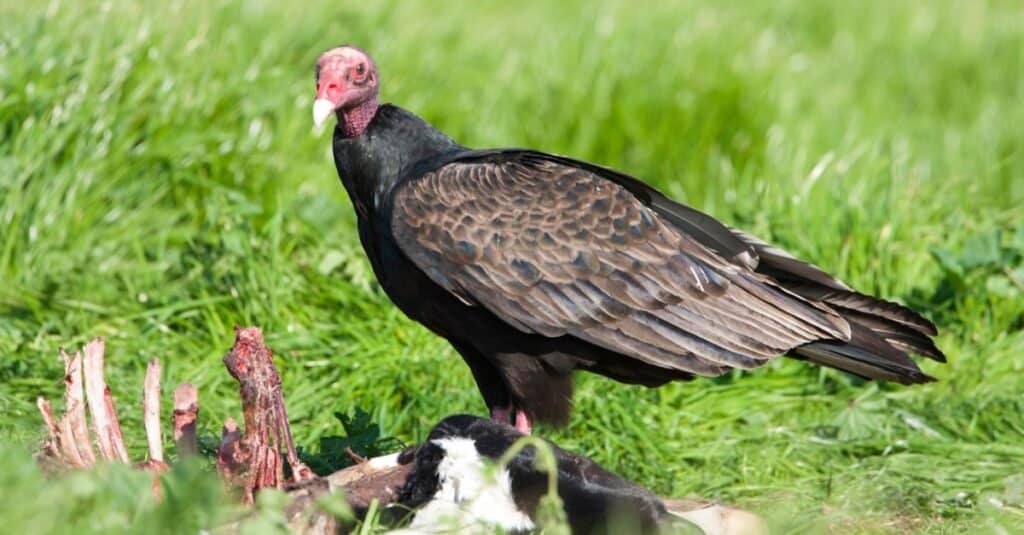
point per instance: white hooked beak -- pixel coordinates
(322, 109)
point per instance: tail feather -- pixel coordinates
(865, 355)
(904, 339)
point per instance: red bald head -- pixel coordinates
(346, 85)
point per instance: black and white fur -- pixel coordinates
(451, 487)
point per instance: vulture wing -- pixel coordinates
(551, 246)
(898, 325)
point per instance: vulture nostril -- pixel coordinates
(328, 86)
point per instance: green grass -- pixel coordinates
(160, 183)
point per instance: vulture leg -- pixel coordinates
(514, 417)
(523, 423)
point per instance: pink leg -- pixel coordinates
(523, 423)
(504, 415)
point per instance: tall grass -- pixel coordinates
(160, 182)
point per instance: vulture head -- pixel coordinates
(347, 86)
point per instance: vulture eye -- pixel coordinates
(360, 69)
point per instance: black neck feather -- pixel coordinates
(394, 145)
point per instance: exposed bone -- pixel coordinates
(251, 363)
(68, 442)
(101, 405)
(231, 462)
(186, 413)
(51, 448)
(76, 431)
(151, 411)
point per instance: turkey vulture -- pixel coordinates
(533, 265)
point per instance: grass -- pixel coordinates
(160, 183)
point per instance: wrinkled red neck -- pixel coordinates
(354, 120)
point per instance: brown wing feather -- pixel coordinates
(558, 250)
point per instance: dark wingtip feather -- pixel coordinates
(918, 345)
(883, 318)
(866, 355)
(916, 378)
(853, 364)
